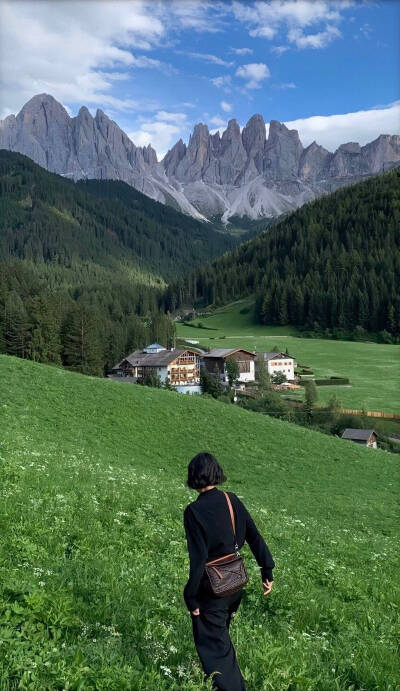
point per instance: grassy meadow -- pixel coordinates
(373, 368)
(93, 555)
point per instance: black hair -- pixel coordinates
(204, 470)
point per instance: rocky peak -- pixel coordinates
(350, 147)
(200, 134)
(254, 135)
(277, 130)
(149, 155)
(42, 112)
(283, 150)
(84, 114)
(313, 162)
(232, 131)
(173, 157)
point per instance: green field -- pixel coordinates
(93, 556)
(373, 368)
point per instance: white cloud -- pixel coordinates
(226, 107)
(279, 50)
(263, 32)
(267, 19)
(366, 29)
(171, 117)
(77, 51)
(318, 40)
(192, 14)
(254, 73)
(285, 85)
(161, 132)
(362, 126)
(219, 122)
(242, 51)
(208, 57)
(71, 49)
(223, 83)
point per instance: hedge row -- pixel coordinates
(333, 381)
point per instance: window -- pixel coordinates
(244, 365)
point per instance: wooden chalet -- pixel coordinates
(216, 359)
(180, 366)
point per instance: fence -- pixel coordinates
(370, 413)
(349, 411)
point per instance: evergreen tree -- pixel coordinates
(311, 396)
(232, 370)
(262, 376)
(81, 343)
(16, 335)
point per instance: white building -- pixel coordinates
(279, 362)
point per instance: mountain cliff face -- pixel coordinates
(240, 173)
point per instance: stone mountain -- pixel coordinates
(241, 173)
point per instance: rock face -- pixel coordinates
(238, 173)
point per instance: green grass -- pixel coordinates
(373, 368)
(93, 557)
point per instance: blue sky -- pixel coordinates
(330, 69)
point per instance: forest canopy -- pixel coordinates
(333, 263)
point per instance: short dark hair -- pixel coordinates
(204, 470)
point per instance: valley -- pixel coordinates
(199, 257)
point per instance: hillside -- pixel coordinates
(332, 265)
(93, 566)
(82, 265)
(47, 218)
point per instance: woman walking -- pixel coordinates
(209, 533)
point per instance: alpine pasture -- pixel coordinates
(93, 555)
(373, 368)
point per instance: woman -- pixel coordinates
(209, 535)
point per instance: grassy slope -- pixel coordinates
(92, 569)
(373, 369)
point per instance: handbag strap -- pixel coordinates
(232, 515)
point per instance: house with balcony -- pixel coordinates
(180, 366)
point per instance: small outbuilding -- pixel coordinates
(366, 437)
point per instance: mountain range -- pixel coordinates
(239, 173)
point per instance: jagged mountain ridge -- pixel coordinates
(241, 173)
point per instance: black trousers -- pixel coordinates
(213, 643)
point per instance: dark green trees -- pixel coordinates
(331, 266)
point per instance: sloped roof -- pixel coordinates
(271, 355)
(358, 434)
(141, 359)
(225, 352)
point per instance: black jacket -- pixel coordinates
(209, 535)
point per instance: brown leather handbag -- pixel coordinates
(227, 574)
